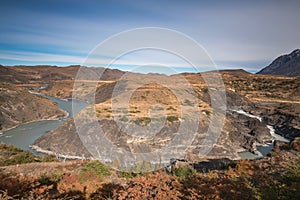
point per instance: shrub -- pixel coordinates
(126, 175)
(95, 168)
(184, 171)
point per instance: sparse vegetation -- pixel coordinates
(95, 168)
(124, 119)
(10, 155)
(143, 120)
(184, 171)
(171, 108)
(187, 102)
(172, 118)
(258, 179)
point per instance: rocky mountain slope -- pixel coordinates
(286, 65)
(240, 132)
(18, 106)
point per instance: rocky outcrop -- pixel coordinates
(64, 140)
(285, 118)
(288, 65)
(239, 133)
(246, 131)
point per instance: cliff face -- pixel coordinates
(18, 106)
(286, 65)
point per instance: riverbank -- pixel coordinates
(58, 155)
(38, 120)
(55, 117)
(24, 134)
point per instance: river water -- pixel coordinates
(25, 134)
(263, 149)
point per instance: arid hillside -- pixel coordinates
(18, 106)
(244, 91)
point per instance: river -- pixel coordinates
(25, 134)
(263, 150)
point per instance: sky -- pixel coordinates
(235, 34)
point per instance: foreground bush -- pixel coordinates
(275, 177)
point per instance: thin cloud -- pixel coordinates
(233, 33)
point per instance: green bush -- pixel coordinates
(184, 171)
(48, 179)
(126, 175)
(97, 168)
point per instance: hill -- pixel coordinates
(18, 106)
(286, 65)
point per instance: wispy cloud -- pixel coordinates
(235, 34)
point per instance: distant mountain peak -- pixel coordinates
(286, 65)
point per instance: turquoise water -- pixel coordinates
(25, 134)
(264, 150)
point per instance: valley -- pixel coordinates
(270, 97)
(141, 114)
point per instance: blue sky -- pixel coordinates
(236, 34)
